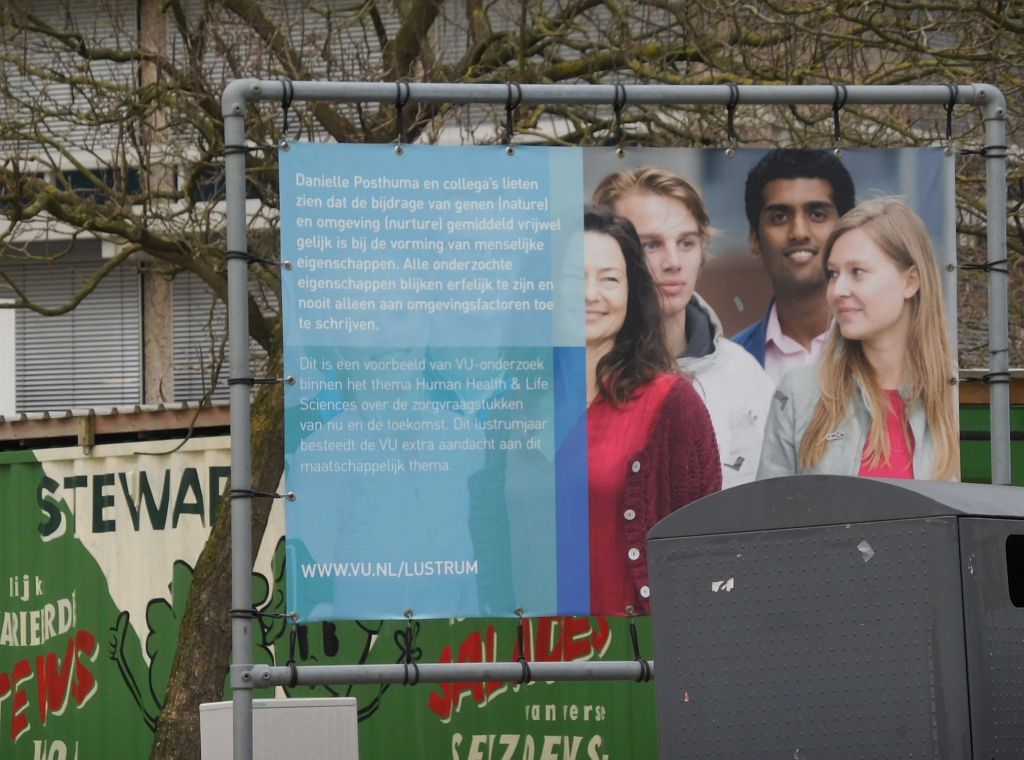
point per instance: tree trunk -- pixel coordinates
(204, 640)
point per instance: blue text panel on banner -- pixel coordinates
(435, 431)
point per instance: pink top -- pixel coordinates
(782, 353)
(614, 435)
(901, 444)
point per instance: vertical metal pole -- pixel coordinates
(994, 109)
(234, 105)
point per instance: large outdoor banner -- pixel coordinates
(437, 344)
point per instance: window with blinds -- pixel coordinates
(90, 357)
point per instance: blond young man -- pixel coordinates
(674, 228)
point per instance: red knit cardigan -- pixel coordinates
(678, 464)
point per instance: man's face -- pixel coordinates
(672, 243)
(797, 217)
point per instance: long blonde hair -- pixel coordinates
(929, 364)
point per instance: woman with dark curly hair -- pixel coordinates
(651, 446)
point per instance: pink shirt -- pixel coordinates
(782, 353)
(901, 444)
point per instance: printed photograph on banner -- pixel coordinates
(651, 448)
(809, 295)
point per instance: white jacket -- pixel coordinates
(735, 388)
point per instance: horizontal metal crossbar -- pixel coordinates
(511, 672)
(241, 91)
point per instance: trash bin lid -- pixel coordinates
(798, 501)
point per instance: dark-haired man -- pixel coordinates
(793, 200)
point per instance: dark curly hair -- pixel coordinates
(639, 352)
(802, 163)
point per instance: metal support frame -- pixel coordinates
(240, 93)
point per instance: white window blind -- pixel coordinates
(90, 357)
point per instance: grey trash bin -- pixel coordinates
(825, 617)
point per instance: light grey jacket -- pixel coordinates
(790, 414)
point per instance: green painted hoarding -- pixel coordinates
(96, 555)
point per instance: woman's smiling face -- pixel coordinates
(868, 293)
(605, 289)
